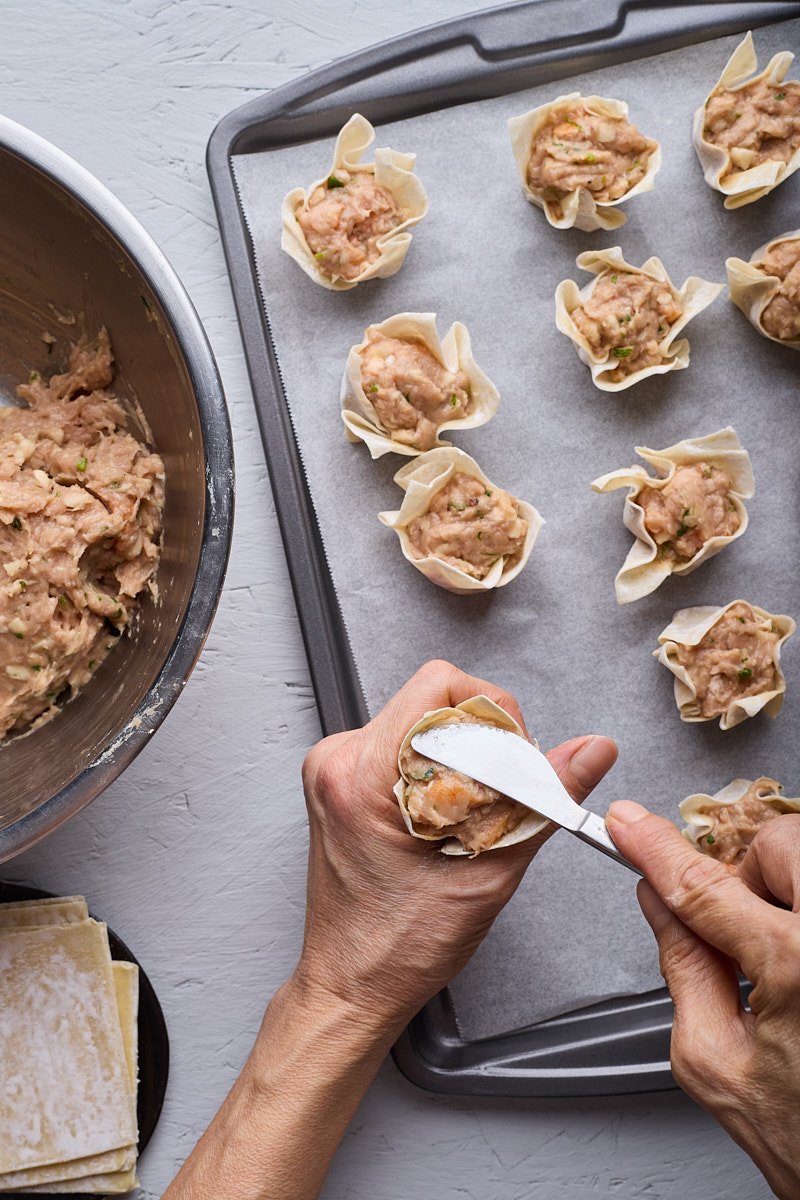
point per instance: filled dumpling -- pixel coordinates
(724, 825)
(442, 805)
(625, 322)
(747, 133)
(726, 661)
(355, 223)
(402, 386)
(767, 288)
(579, 156)
(457, 527)
(686, 514)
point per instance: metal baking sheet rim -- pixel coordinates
(431, 1053)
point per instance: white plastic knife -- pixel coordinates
(511, 765)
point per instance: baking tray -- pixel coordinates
(620, 1045)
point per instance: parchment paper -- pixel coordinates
(555, 636)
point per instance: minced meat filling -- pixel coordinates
(626, 318)
(343, 220)
(755, 124)
(469, 525)
(577, 149)
(694, 506)
(735, 825)
(80, 523)
(781, 317)
(439, 799)
(736, 658)
(410, 390)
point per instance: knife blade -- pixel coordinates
(515, 767)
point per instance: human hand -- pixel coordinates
(390, 920)
(744, 1067)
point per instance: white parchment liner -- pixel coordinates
(695, 809)
(695, 295)
(580, 209)
(743, 184)
(488, 713)
(420, 480)
(752, 289)
(453, 351)
(688, 628)
(644, 569)
(394, 171)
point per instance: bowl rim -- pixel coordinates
(217, 440)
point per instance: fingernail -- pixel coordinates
(627, 811)
(590, 763)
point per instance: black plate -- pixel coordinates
(153, 1038)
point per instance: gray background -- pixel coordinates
(197, 855)
(555, 637)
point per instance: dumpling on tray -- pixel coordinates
(692, 509)
(747, 133)
(355, 223)
(767, 288)
(724, 825)
(457, 527)
(579, 157)
(442, 805)
(403, 386)
(726, 661)
(625, 323)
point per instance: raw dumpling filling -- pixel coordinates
(578, 149)
(80, 525)
(439, 799)
(734, 825)
(781, 317)
(626, 318)
(689, 510)
(736, 658)
(411, 392)
(755, 124)
(470, 526)
(344, 219)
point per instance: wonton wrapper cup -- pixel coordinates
(579, 208)
(394, 171)
(489, 713)
(743, 184)
(752, 289)
(694, 809)
(688, 627)
(420, 480)
(454, 352)
(644, 569)
(695, 295)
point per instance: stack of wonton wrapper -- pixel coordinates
(68, 1052)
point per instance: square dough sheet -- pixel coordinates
(555, 637)
(67, 1090)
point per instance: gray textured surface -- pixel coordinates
(197, 855)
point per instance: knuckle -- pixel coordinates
(694, 1062)
(317, 769)
(436, 668)
(692, 882)
(784, 959)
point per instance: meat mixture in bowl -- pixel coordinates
(736, 658)
(755, 124)
(80, 526)
(625, 320)
(440, 800)
(469, 525)
(781, 317)
(410, 390)
(577, 149)
(735, 825)
(694, 506)
(344, 219)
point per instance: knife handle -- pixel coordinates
(594, 831)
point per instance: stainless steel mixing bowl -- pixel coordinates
(68, 246)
